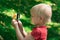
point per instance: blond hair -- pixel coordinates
(42, 10)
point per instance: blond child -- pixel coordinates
(40, 15)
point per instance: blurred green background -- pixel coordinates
(10, 7)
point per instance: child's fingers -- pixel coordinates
(20, 25)
(14, 23)
(20, 22)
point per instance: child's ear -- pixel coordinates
(41, 17)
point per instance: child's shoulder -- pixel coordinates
(39, 29)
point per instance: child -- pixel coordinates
(40, 15)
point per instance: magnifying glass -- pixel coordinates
(18, 15)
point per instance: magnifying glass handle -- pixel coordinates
(18, 16)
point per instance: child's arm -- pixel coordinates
(19, 34)
(29, 37)
(20, 26)
(22, 29)
(15, 25)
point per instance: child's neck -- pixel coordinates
(40, 25)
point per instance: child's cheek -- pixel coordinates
(33, 20)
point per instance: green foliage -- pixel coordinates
(9, 7)
(54, 31)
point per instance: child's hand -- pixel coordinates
(16, 23)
